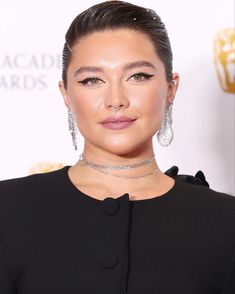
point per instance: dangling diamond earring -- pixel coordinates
(165, 135)
(72, 128)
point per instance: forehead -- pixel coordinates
(114, 41)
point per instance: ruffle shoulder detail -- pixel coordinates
(198, 179)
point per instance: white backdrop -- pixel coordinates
(33, 118)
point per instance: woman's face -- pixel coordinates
(115, 68)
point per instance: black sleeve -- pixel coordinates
(6, 285)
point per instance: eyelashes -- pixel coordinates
(87, 80)
(141, 76)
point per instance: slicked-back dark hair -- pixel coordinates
(115, 15)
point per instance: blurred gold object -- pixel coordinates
(44, 167)
(225, 59)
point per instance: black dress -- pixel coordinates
(57, 240)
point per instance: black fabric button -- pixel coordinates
(110, 206)
(109, 260)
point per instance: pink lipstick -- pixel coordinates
(117, 123)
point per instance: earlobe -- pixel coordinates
(64, 93)
(175, 80)
(173, 86)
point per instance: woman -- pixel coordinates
(113, 222)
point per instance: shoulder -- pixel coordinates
(196, 188)
(12, 190)
(203, 193)
(27, 181)
(206, 205)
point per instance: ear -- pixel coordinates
(173, 86)
(64, 93)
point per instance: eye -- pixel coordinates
(141, 76)
(90, 81)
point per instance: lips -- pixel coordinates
(117, 119)
(118, 124)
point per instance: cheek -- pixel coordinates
(150, 103)
(86, 109)
(83, 105)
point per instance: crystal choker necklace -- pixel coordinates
(115, 167)
(108, 167)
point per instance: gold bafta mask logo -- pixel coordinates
(225, 59)
(44, 167)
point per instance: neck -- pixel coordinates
(101, 156)
(86, 174)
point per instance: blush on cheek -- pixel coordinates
(157, 112)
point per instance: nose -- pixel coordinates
(115, 96)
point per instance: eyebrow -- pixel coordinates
(126, 66)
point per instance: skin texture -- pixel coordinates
(140, 98)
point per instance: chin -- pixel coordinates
(126, 149)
